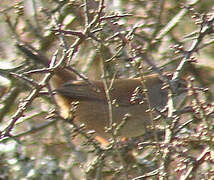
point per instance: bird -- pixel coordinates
(126, 114)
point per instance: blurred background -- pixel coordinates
(41, 146)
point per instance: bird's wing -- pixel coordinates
(81, 90)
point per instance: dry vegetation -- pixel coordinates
(118, 38)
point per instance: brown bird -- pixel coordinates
(128, 102)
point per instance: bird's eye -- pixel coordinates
(182, 84)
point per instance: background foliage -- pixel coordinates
(118, 37)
